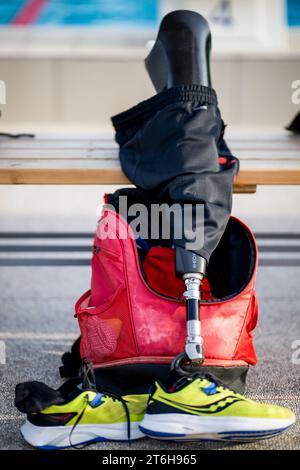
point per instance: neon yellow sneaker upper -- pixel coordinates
(205, 398)
(98, 409)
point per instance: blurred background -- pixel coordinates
(69, 65)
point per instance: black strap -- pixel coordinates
(71, 361)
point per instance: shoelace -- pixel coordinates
(87, 373)
(126, 409)
(89, 384)
(204, 376)
(78, 446)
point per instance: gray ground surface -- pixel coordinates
(37, 325)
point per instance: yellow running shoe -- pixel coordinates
(89, 417)
(200, 408)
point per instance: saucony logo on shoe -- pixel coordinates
(211, 408)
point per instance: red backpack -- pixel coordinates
(125, 322)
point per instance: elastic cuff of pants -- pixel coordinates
(198, 94)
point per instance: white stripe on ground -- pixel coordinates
(46, 255)
(27, 335)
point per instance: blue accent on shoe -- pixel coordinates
(253, 433)
(248, 438)
(148, 432)
(92, 441)
(96, 401)
(211, 389)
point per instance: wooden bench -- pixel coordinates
(265, 159)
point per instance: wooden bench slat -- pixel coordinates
(112, 154)
(284, 147)
(265, 159)
(115, 176)
(63, 176)
(61, 164)
(39, 154)
(286, 140)
(269, 177)
(235, 138)
(91, 163)
(20, 146)
(231, 134)
(245, 146)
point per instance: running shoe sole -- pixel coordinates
(172, 427)
(59, 437)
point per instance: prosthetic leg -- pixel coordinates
(192, 268)
(179, 56)
(181, 52)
